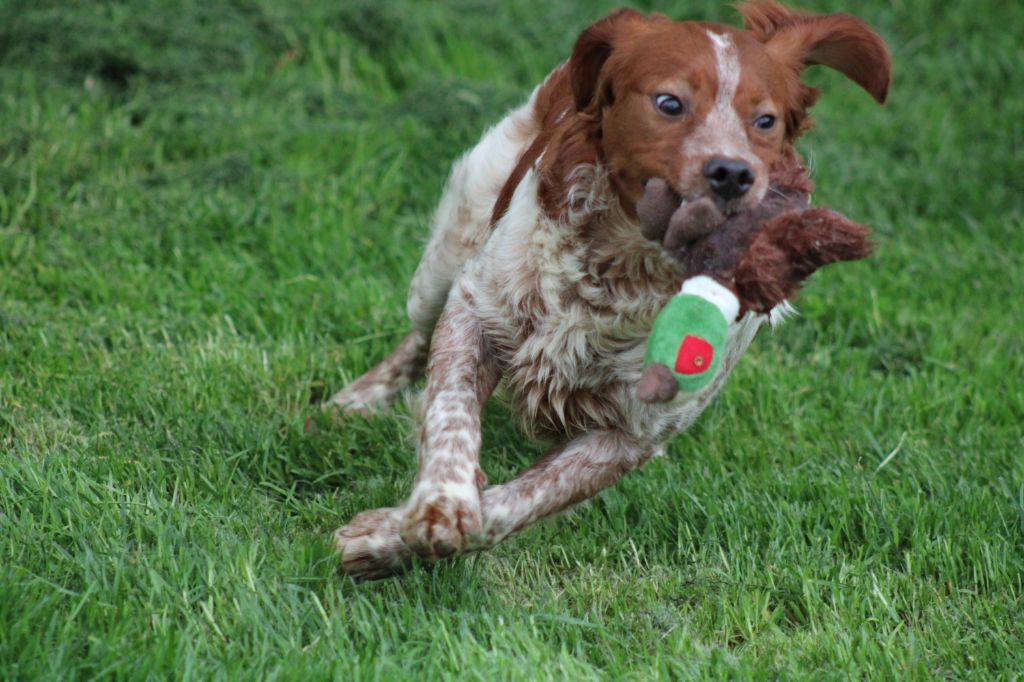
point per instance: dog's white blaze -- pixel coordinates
(728, 70)
(722, 133)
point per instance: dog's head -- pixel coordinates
(709, 108)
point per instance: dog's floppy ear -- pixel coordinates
(839, 41)
(592, 50)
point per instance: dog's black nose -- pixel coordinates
(729, 178)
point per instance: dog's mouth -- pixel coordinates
(677, 220)
(727, 207)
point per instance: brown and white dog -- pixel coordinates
(537, 276)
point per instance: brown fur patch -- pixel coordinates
(553, 102)
(798, 40)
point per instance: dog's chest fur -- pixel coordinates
(566, 308)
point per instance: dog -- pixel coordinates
(537, 279)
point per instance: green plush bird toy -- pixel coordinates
(690, 332)
(749, 261)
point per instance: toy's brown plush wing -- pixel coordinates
(788, 250)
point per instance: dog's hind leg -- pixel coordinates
(455, 238)
(376, 389)
(460, 227)
(462, 223)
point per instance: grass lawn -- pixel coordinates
(209, 215)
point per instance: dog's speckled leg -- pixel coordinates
(444, 507)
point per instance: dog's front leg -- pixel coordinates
(371, 546)
(444, 508)
(566, 475)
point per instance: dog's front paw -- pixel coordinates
(440, 521)
(370, 546)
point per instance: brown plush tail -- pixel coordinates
(789, 249)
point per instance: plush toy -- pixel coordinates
(746, 262)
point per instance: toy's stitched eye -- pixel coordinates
(669, 105)
(766, 122)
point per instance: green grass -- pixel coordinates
(209, 215)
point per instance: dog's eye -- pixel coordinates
(669, 105)
(766, 122)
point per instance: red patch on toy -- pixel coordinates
(694, 356)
